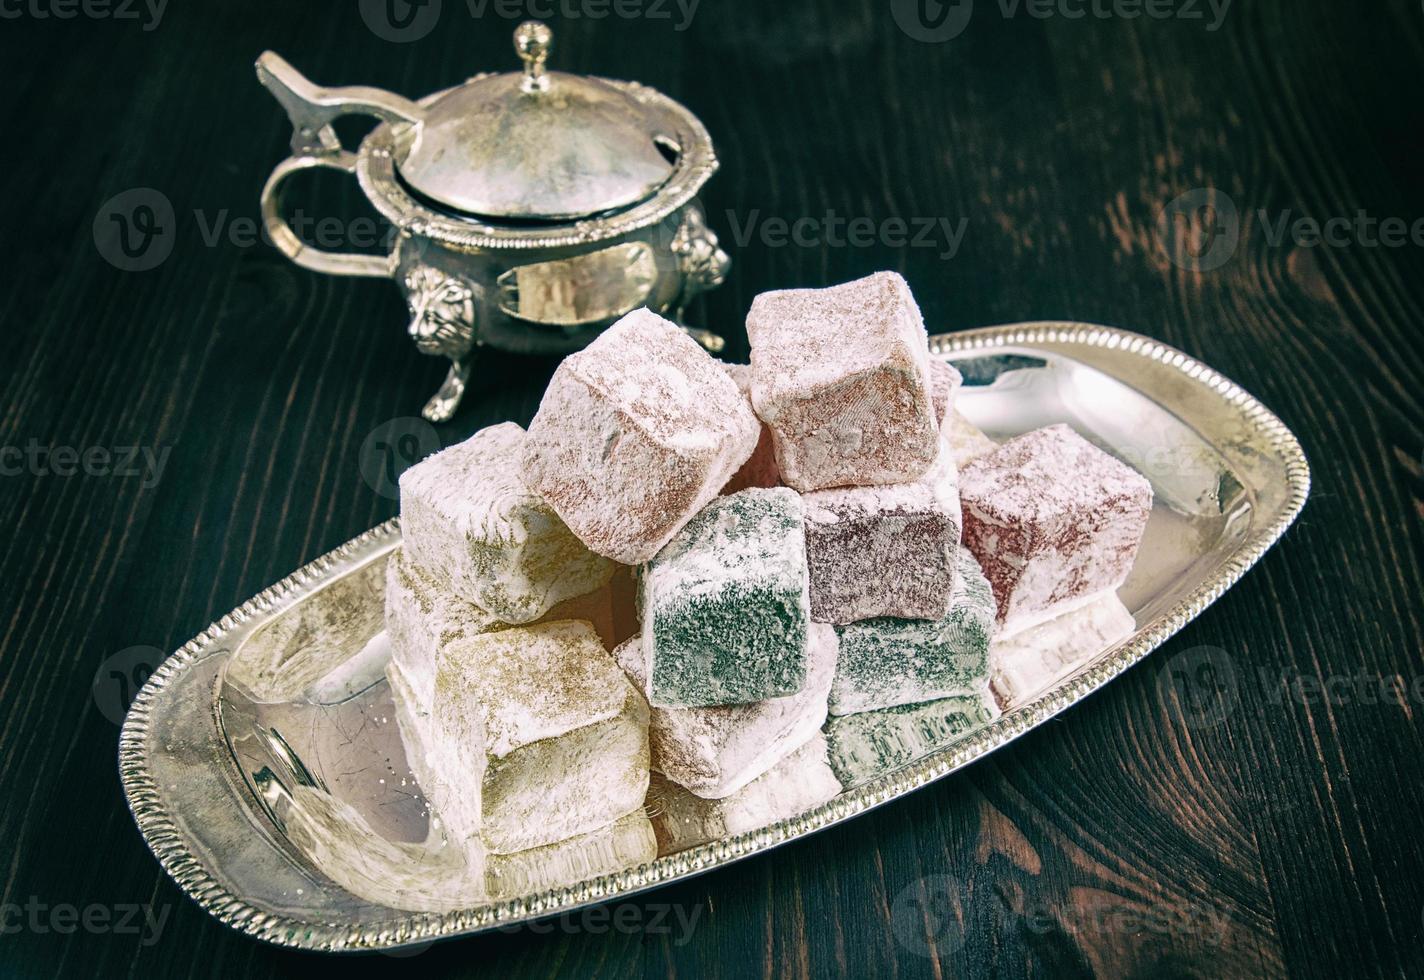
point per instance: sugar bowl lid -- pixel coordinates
(539, 145)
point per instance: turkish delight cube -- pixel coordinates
(467, 515)
(889, 550)
(422, 616)
(841, 377)
(715, 751)
(625, 843)
(799, 782)
(1054, 521)
(540, 736)
(725, 605)
(634, 434)
(945, 382)
(887, 662)
(1032, 660)
(760, 470)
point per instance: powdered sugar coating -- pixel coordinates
(422, 616)
(725, 604)
(715, 751)
(945, 382)
(467, 514)
(760, 470)
(841, 377)
(884, 551)
(634, 434)
(1031, 660)
(540, 727)
(887, 662)
(1053, 520)
(800, 781)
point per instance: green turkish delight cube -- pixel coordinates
(725, 604)
(888, 661)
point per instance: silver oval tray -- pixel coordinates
(258, 804)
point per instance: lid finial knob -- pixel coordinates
(532, 40)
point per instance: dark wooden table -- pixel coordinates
(1116, 840)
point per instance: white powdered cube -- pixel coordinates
(801, 781)
(625, 843)
(715, 751)
(842, 377)
(1034, 659)
(635, 434)
(422, 615)
(537, 734)
(467, 515)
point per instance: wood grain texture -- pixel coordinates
(1119, 840)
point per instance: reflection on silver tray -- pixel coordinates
(265, 767)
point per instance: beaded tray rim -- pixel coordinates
(179, 859)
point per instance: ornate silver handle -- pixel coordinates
(288, 242)
(312, 109)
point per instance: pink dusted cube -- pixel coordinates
(884, 551)
(1054, 521)
(760, 470)
(841, 376)
(635, 434)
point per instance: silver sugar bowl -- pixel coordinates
(530, 209)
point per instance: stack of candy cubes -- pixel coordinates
(696, 598)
